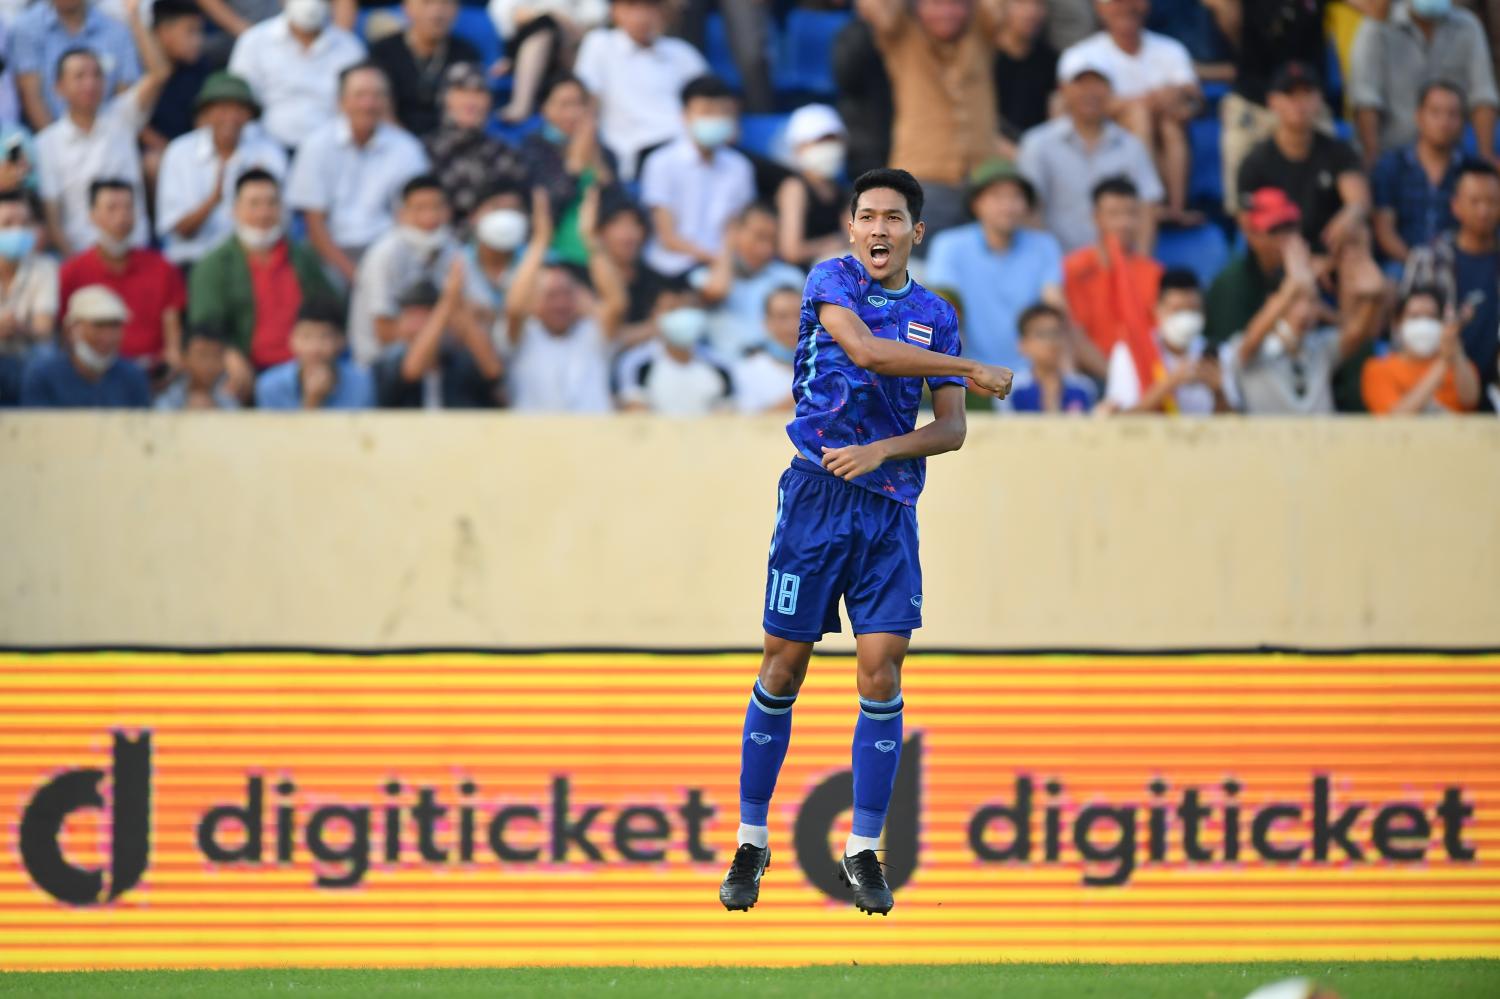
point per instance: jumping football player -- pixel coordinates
(846, 523)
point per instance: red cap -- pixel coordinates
(1269, 208)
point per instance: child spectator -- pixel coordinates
(203, 383)
(743, 274)
(1429, 373)
(1045, 385)
(294, 62)
(763, 377)
(1188, 379)
(177, 26)
(415, 60)
(671, 374)
(88, 371)
(441, 358)
(316, 378)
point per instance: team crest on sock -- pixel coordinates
(886, 745)
(759, 738)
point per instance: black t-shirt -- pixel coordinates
(463, 386)
(1023, 86)
(824, 217)
(642, 291)
(1312, 183)
(415, 87)
(1273, 33)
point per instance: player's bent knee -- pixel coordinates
(785, 666)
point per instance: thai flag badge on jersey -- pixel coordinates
(917, 333)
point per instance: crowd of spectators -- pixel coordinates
(561, 207)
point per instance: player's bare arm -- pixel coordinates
(891, 357)
(944, 433)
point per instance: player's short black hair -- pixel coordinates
(322, 309)
(255, 175)
(1177, 279)
(76, 50)
(1119, 186)
(1038, 310)
(1474, 168)
(422, 182)
(103, 184)
(1431, 291)
(899, 181)
(706, 87)
(166, 11)
(780, 289)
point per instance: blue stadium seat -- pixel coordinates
(1206, 182)
(1202, 250)
(805, 66)
(716, 50)
(475, 27)
(761, 133)
(1213, 93)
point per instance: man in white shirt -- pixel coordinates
(347, 174)
(195, 184)
(695, 185)
(637, 75)
(93, 139)
(421, 247)
(293, 63)
(1156, 89)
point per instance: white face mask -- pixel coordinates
(422, 240)
(503, 229)
(255, 239)
(712, 132)
(90, 358)
(683, 327)
(823, 159)
(1422, 335)
(1180, 329)
(307, 15)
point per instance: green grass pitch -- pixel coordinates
(1471, 979)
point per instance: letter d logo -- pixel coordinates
(41, 826)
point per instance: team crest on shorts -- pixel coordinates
(917, 333)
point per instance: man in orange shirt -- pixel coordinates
(1111, 288)
(1430, 373)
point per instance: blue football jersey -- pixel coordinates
(839, 403)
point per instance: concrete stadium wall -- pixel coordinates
(384, 530)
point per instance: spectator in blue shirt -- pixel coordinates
(47, 29)
(90, 371)
(1045, 385)
(1413, 185)
(997, 266)
(316, 377)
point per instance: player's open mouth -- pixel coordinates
(879, 254)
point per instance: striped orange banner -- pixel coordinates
(170, 810)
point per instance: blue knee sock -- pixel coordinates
(877, 754)
(768, 732)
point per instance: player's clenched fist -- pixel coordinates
(853, 461)
(993, 379)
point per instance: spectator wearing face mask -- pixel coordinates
(671, 374)
(28, 281)
(293, 63)
(743, 274)
(1044, 384)
(497, 236)
(420, 247)
(316, 378)
(88, 371)
(1429, 372)
(253, 284)
(697, 184)
(203, 382)
(813, 202)
(440, 358)
(564, 156)
(1188, 379)
(467, 159)
(151, 288)
(763, 378)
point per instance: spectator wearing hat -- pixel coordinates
(465, 157)
(294, 63)
(151, 288)
(253, 284)
(939, 56)
(996, 263)
(1393, 59)
(439, 358)
(1065, 158)
(637, 75)
(196, 184)
(1272, 225)
(1155, 88)
(415, 60)
(316, 377)
(177, 26)
(88, 371)
(744, 273)
(347, 175)
(565, 157)
(96, 138)
(813, 201)
(46, 31)
(1111, 287)
(1413, 185)
(1025, 67)
(204, 381)
(1429, 373)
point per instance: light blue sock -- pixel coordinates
(768, 732)
(877, 754)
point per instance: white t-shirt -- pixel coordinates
(355, 186)
(1123, 387)
(639, 89)
(298, 87)
(560, 373)
(762, 384)
(186, 176)
(389, 267)
(1160, 62)
(70, 159)
(703, 196)
(695, 387)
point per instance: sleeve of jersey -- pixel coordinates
(831, 282)
(947, 341)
